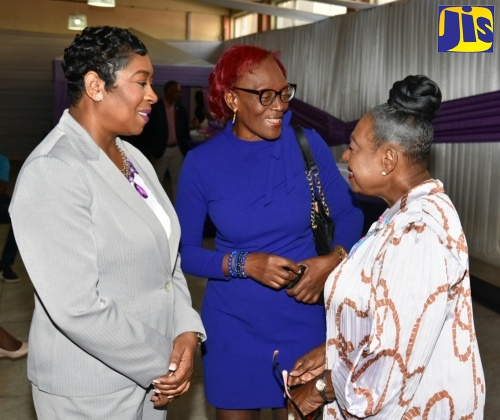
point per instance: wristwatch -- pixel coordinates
(321, 386)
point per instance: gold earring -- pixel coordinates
(384, 173)
(98, 96)
(234, 117)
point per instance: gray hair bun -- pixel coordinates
(416, 95)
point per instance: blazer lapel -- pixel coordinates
(106, 169)
(140, 162)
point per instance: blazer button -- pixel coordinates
(168, 286)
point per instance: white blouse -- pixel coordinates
(401, 342)
(153, 203)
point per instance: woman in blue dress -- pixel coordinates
(250, 180)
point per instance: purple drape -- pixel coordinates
(469, 120)
(466, 120)
(330, 128)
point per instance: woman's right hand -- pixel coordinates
(271, 270)
(308, 366)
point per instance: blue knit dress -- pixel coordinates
(257, 196)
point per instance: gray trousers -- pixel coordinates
(171, 161)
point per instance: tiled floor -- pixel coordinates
(16, 307)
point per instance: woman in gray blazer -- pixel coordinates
(99, 238)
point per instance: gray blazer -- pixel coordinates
(110, 295)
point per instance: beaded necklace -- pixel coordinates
(129, 171)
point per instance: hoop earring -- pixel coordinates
(234, 117)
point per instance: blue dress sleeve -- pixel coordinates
(192, 209)
(344, 209)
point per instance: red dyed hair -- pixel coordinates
(234, 63)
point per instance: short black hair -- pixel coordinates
(103, 49)
(169, 84)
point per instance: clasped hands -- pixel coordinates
(177, 380)
(277, 272)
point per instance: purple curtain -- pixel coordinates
(469, 120)
(61, 98)
(472, 119)
(330, 128)
(466, 120)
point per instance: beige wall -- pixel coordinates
(206, 27)
(161, 19)
(34, 32)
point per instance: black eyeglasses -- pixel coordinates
(283, 375)
(268, 96)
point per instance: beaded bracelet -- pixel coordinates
(242, 256)
(230, 264)
(236, 264)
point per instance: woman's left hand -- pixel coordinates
(177, 380)
(310, 287)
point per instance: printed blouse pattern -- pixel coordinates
(401, 339)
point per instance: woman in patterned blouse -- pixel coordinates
(400, 342)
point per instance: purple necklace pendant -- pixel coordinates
(131, 175)
(142, 192)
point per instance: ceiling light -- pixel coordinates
(77, 22)
(101, 3)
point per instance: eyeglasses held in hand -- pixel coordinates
(284, 377)
(268, 96)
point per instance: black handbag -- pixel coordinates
(322, 224)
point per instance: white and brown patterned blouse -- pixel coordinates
(400, 337)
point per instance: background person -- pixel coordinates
(250, 180)
(400, 339)
(166, 135)
(200, 111)
(99, 239)
(10, 346)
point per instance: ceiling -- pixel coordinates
(242, 5)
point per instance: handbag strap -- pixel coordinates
(305, 148)
(312, 172)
